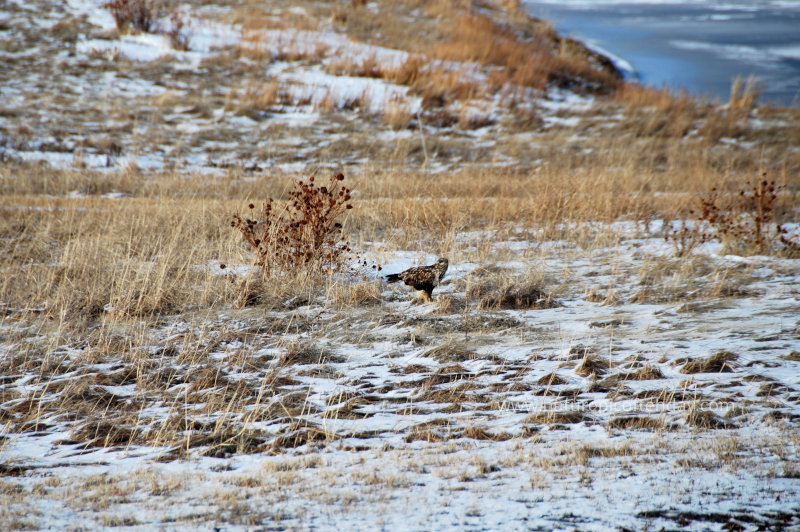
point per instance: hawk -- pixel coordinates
(422, 278)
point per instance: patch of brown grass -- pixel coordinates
(512, 296)
(744, 93)
(593, 365)
(645, 373)
(355, 294)
(451, 353)
(706, 419)
(255, 46)
(569, 417)
(551, 379)
(259, 96)
(636, 423)
(110, 257)
(397, 114)
(529, 62)
(721, 362)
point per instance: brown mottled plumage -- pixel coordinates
(422, 278)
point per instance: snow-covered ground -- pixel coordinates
(619, 387)
(193, 114)
(596, 412)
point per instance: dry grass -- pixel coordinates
(259, 96)
(146, 254)
(593, 365)
(397, 114)
(721, 362)
(94, 257)
(744, 93)
(539, 59)
(290, 47)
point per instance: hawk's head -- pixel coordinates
(441, 267)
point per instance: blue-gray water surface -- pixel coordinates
(697, 45)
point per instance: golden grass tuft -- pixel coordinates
(359, 293)
(397, 114)
(592, 365)
(720, 362)
(744, 93)
(530, 62)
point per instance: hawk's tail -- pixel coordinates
(393, 278)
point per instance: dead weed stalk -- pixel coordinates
(303, 236)
(745, 223)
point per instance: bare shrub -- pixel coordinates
(304, 235)
(134, 15)
(686, 236)
(176, 32)
(745, 224)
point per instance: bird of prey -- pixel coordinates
(422, 278)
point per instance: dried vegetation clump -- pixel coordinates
(721, 362)
(497, 289)
(134, 15)
(593, 365)
(706, 419)
(143, 16)
(746, 223)
(304, 237)
(513, 296)
(539, 59)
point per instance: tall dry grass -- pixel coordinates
(744, 93)
(87, 259)
(153, 251)
(536, 60)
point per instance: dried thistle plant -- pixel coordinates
(303, 235)
(134, 15)
(745, 224)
